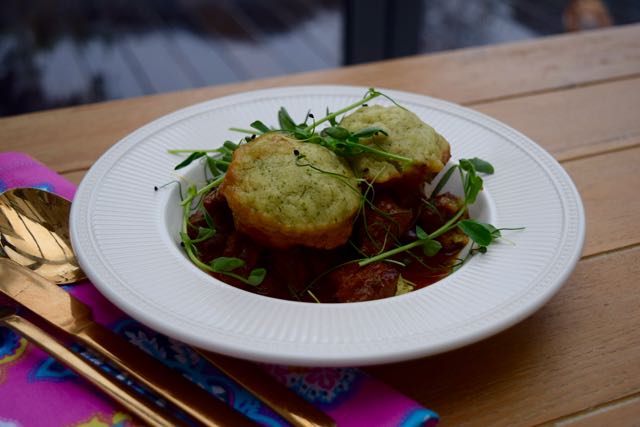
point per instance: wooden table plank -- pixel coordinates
(75, 176)
(576, 122)
(577, 351)
(568, 123)
(608, 185)
(624, 412)
(575, 95)
(103, 124)
(611, 207)
(488, 73)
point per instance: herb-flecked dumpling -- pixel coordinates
(284, 192)
(408, 136)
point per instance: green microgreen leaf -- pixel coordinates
(225, 264)
(443, 181)
(480, 233)
(336, 132)
(204, 234)
(466, 165)
(391, 252)
(260, 127)
(332, 118)
(473, 189)
(369, 132)
(335, 138)
(193, 156)
(422, 235)
(285, 120)
(256, 276)
(192, 192)
(495, 233)
(213, 166)
(346, 144)
(231, 146)
(472, 183)
(482, 166)
(207, 217)
(431, 247)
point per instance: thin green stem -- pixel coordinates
(440, 231)
(247, 131)
(343, 110)
(390, 253)
(210, 186)
(179, 151)
(449, 224)
(385, 153)
(235, 276)
(187, 245)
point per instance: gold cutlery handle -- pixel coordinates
(185, 395)
(287, 404)
(144, 409)
(71, 316)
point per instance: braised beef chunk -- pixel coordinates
(408, 190)
(438, 210)
(213, 246)
(289, 266)
(298, 266)
(219, 211)
(383, 225)
(271, 286)
(374, 281)
(302, 273)
(220, 215)
(240, 246)
(453, 241)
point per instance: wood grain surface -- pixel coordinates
(575, 362)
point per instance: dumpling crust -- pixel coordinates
(407, 136)
(284, 192)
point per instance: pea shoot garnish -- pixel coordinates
(216, 161)
(430, 240)
(482, 235)
(226, 265)
(334, 137)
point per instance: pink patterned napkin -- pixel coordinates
(35, 390)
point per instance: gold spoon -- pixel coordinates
(29, 278)
(34, 232)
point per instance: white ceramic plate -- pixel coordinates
(125, 235)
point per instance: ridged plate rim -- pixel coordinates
(309, 334)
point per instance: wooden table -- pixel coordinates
(577, 360)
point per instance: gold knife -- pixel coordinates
(66, 313)
(143, 408)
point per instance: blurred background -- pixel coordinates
(69, 52)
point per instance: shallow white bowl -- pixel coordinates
(125, 236)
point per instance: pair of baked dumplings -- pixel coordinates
(284, 192)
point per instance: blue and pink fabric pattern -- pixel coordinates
(35, 390)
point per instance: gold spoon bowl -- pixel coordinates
(34, 232)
